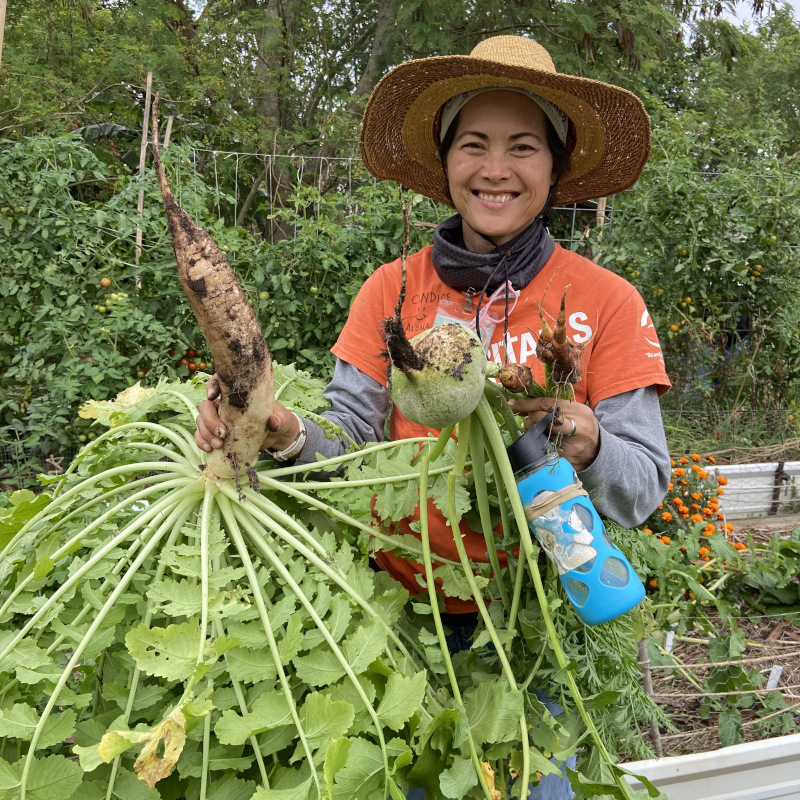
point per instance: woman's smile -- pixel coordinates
(499, 167)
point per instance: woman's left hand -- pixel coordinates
(578, 434)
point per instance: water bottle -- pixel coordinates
(594, 572)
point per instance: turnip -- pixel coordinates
(438, 378)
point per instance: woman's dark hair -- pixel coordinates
(560, 151)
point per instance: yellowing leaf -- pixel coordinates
(488, 776)
(104, 409)
(150, 767)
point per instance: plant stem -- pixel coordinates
(229, 514)
(482, 498)
(437, 618)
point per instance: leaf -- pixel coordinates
(364, 645)
(335, 759)
(730, 727)
(25, 653)
(104, 410)
(362, 775)
(300, 791)
(319, 668)
(458, 778)
(50, 778)
(269, 710)
(169, 653)
(494, 711)
(251, 666)
(401, 699)
(161, 750)
(323, 720)
(19, 722)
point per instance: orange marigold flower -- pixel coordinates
(684, 512)
(697, 496)
(672, 462)
(722, 480)
(670, 487)
(709, 529)
(666, 516)
(702, 474)
(665, 539)
(695, 457)
(695, 506)
(677, 501)
(660, 506)
(703, 550)
(705, 558)
(740, 546)
(728, 527)
(697, 517)
(680, 472)
(720, 516)
(708, 512)
(712, 459)
(684, 482)
(695, 468)
(653, 583)
(683, 548)
(720, 490)
(684, 460)
(645, 529)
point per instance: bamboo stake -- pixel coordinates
(647, 679)
(2, 27)
(142, 160)
(167, 132)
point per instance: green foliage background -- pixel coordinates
(718, 198)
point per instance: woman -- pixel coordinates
(501, 136)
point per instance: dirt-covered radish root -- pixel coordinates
(241, 357)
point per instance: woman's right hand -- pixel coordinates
(281, 428)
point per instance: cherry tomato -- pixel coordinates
(105, 282)
(192, 366)
(184, 361)
(191, 353)
(202, 365)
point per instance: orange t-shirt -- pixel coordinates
(604, 312)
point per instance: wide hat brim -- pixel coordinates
(398, 141)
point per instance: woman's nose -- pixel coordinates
(496, 166)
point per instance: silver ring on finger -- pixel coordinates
(572, 432)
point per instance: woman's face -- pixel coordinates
(499, 167)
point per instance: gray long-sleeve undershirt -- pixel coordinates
(626, 481)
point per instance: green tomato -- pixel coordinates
(102, 309)
(263, 295)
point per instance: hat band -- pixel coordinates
(553, 113)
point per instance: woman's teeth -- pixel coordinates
(495, 198)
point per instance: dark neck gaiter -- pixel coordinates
(518, 260)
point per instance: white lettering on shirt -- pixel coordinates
(584, 332)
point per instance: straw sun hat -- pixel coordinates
(399, 134)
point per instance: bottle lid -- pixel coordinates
(532, 447)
